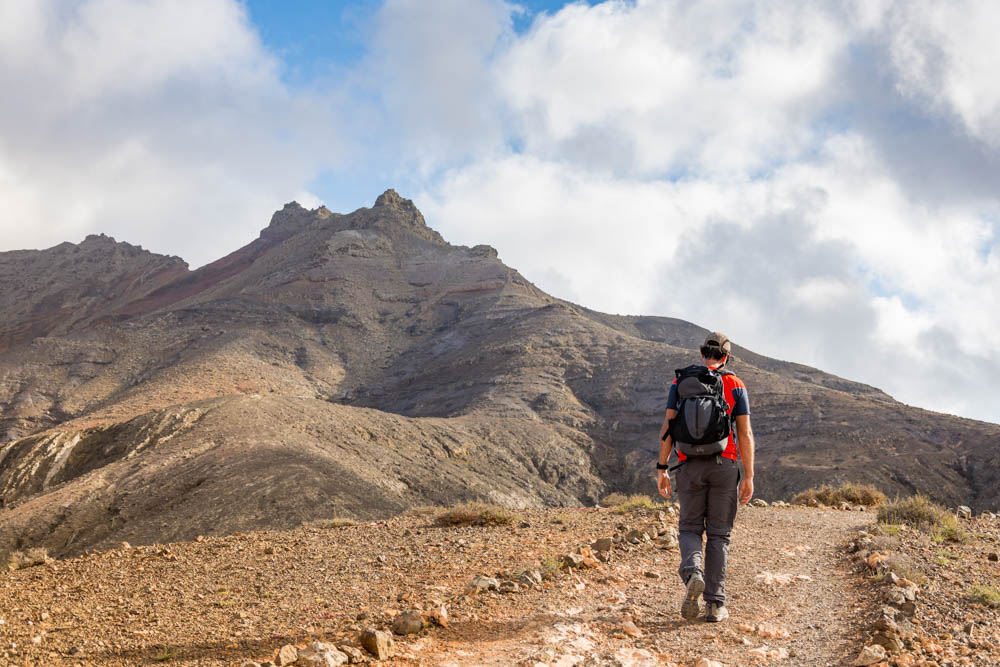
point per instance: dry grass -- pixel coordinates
(475, 514)
(22, 559)
(849, 492)
(988, 596)
(892, 529)
(916, 511)
(613, 499)
(919, 512)
(636, 501)
(905, 566)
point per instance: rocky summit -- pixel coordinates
(358, 364)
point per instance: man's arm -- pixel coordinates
(745, 440)
(666, 445)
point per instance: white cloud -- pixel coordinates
(161, 123)
(807, 189)
(945, 55)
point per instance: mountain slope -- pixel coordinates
(471, 381)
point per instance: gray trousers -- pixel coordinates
(707, 490)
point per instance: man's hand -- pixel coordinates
(663, 483)
(746, 490)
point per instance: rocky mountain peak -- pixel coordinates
(291, 219)
(404, 211)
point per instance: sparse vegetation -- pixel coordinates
(636, 501)
(22, 559)
(945, 557)
(988, 596)
(475, 514)
(849, 492)
(164, 655)
(919, 512)
(916, 511)
(948, 530)
(613, 499)
(892, 529)
(904, 566)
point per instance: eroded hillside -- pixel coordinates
(359, 363)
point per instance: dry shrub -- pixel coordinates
(947, 529)
(848, 492)
(988, 596)
(475, 514)
(21, 559)
(636, 501)
(905, 566)
(613, 499)
(920, 512)
(917, 511)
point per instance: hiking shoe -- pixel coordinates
(715, 612)
(695, 587)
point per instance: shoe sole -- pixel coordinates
(689, 608)
(716, 619)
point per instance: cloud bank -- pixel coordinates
(816, 179)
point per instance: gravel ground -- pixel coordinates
(951, 625)
(220, 601)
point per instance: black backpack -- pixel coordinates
(702, 424)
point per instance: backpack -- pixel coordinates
(702, 424)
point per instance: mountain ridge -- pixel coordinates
(372, 320)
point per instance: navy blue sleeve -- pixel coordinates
(741, 401)
(672, 397)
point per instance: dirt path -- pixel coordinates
(791, 597)
(222, 601)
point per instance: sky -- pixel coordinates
(818, 180)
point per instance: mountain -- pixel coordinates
(360, 364)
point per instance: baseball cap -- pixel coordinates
(716, 339)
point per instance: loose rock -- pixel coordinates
(480, 584)
(408, 623)
(287, 654)
(378, 643)
(321, 654)
(870, 655)
(602, 545)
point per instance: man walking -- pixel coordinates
(708, 485)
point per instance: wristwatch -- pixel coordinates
(662, 466)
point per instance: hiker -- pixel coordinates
(714, 470)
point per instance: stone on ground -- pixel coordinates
(408, 623)
(321, 654)
(287, 655)
(870, 655)
(378, 643)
